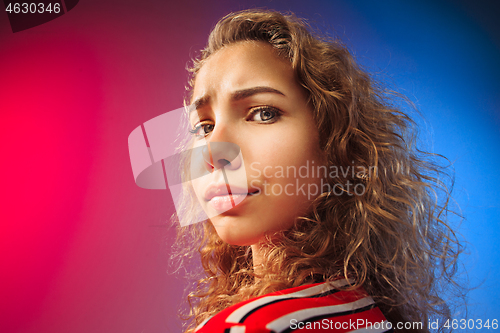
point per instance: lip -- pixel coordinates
(220, 200)
(220, 190)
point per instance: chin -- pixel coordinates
(232, 236)
(238, 240)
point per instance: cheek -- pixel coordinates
(284, 145)
(196, 163)
(197, 189)
(296, 151)
(278, 162)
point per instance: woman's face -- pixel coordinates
(247, 97)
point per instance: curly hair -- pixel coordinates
(394, 238)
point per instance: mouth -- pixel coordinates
(226, 190)
(222, 198)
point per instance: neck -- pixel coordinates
(257, 258)
(259, 251)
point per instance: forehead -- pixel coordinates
(241, 65)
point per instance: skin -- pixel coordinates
(274, 128)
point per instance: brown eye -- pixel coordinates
(265, 115)
(201, 130)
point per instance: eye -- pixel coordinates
(201, 130)
(265, 114)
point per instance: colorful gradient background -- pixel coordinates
(83, 249)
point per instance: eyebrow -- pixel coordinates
(237, 95)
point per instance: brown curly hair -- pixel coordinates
(394, 239)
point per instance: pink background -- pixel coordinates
(83, 249)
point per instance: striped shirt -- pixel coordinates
(311, 308)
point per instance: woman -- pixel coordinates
(361, 219)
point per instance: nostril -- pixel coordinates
(209, 167)
(218, 155)
(222, 163)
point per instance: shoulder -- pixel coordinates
(316, 307)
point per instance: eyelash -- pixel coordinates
(256, 110)
(277, 113)
(197, 128)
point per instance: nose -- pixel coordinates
(218, 155)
